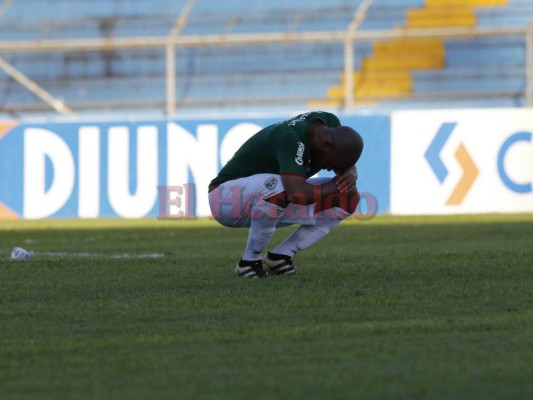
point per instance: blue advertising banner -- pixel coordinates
(113, 168)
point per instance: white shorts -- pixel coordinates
(231, 202)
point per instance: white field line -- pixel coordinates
(102, 255)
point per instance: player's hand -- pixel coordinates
(346, 180)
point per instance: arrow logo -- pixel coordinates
(470, 173)
(433, 152)
(470, 170)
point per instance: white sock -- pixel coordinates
(263, 225)
(307, 235)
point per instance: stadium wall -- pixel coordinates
(415, 162)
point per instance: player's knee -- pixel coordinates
(345, 201)
(350, 202)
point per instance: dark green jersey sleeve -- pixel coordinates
(304, 121)
(292, 155)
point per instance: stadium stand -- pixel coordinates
(427, 71)
(392, 73)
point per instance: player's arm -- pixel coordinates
(298, 191)
(324, 196)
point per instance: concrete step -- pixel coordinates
(421, 61)
(439, 17)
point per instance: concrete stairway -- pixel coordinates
(387, 73)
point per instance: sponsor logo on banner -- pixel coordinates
(109, 169)
(134, 169)
(468, 167)
(461, 161)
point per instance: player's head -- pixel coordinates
(336, 148)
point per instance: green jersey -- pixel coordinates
(282, 149)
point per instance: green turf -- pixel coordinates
(394, 308)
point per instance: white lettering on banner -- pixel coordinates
(140, 203)
(461, 161)
(198, 154)
(38, 145)
(192, 158)
(89, 172)
(234, 139)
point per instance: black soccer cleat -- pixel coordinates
(278, 264)
(250, 269)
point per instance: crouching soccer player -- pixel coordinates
(266, 185)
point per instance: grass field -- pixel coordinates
(394, 308)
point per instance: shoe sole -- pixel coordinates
(246, 273)
(271, 271)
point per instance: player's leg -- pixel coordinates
(326, 216)
(240, 203)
